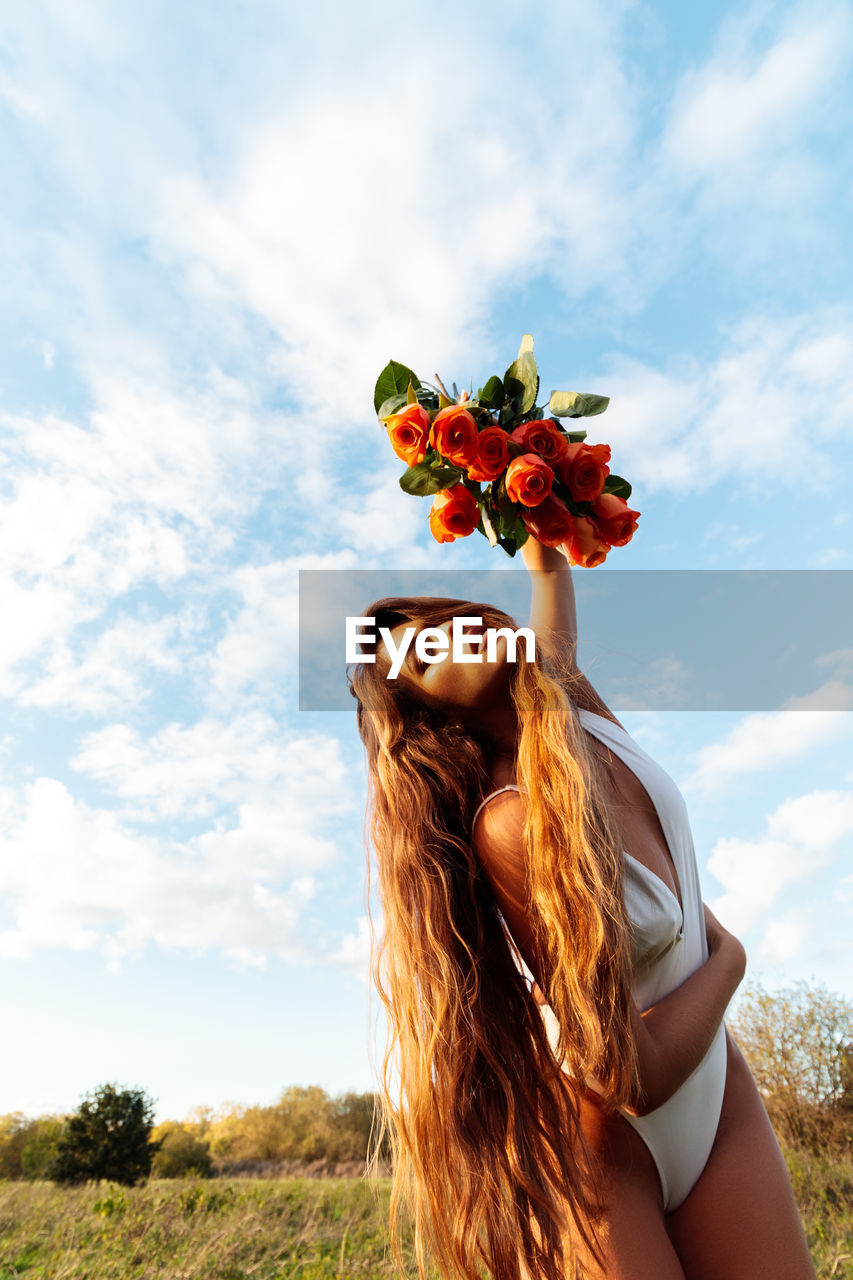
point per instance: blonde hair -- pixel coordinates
(489, 1156)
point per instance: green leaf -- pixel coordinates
(424, 479)
(485, 526)
(492, 393)
(508, 545)
(521, 380)
(501, 500)
(411, 397)
(508, 520)
(394, 378)
(576, 436)
(574, 404)
(619, 486)
(390, 406)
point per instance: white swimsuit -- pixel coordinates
(668, 946)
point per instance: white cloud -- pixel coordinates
(348, 250)
(354, 951)
(783, 938)
(748, 101)
(87, 878)
(664, 683)
(114, 671)
(20, 99)
(801, 837)
(816, 821)
(191, 772)
(256, 657)
(150, 490)
(738, 151)
(760, 742)
(737, 418)
(383, 518)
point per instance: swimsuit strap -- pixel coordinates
(510, 786)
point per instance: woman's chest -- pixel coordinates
(635, 815)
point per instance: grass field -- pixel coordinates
(310, 1229)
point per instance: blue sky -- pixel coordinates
(218, 223)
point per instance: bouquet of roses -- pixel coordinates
(494, 462)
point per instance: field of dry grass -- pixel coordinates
(292, 1229)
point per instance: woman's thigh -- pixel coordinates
(740, 1221)
(633, 1235)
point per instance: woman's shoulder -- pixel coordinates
(498, 829)
(498, 841)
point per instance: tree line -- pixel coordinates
(798, 1042)
(112, 1135)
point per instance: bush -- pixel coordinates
(180, 1153)
(41, 1147)
(109, 1136)
(798, 1042)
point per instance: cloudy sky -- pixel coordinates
(218, 223)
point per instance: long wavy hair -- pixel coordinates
(481, 1110)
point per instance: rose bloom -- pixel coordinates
(454, 435)
(614, 519)
(551, 523)
(454, 514)
(584, 545)
(408, 432)
(542, 438)
(528, 479)
(492, 454)
(584, 470)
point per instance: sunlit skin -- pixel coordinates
(471, 693)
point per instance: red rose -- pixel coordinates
(492, 454)
(454, 514)
(528, 480)
(454, 435)
(542, 438)
(585, 547)
(551, 523)
(615, 520)
(408, 432)
(584, 470)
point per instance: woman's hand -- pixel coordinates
(674, 1035)
(537, 556)
(721, 941)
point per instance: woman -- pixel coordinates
(562, 1096)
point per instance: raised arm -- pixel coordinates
(552, 604)
(674, 1035)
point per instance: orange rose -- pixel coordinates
(454, 435)
(454, 514)
(408, 432)
(542, 438)
(584, 545)
(492, 454)
(551, 523)
(584, 470)
(528, 479)
(615, 520)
